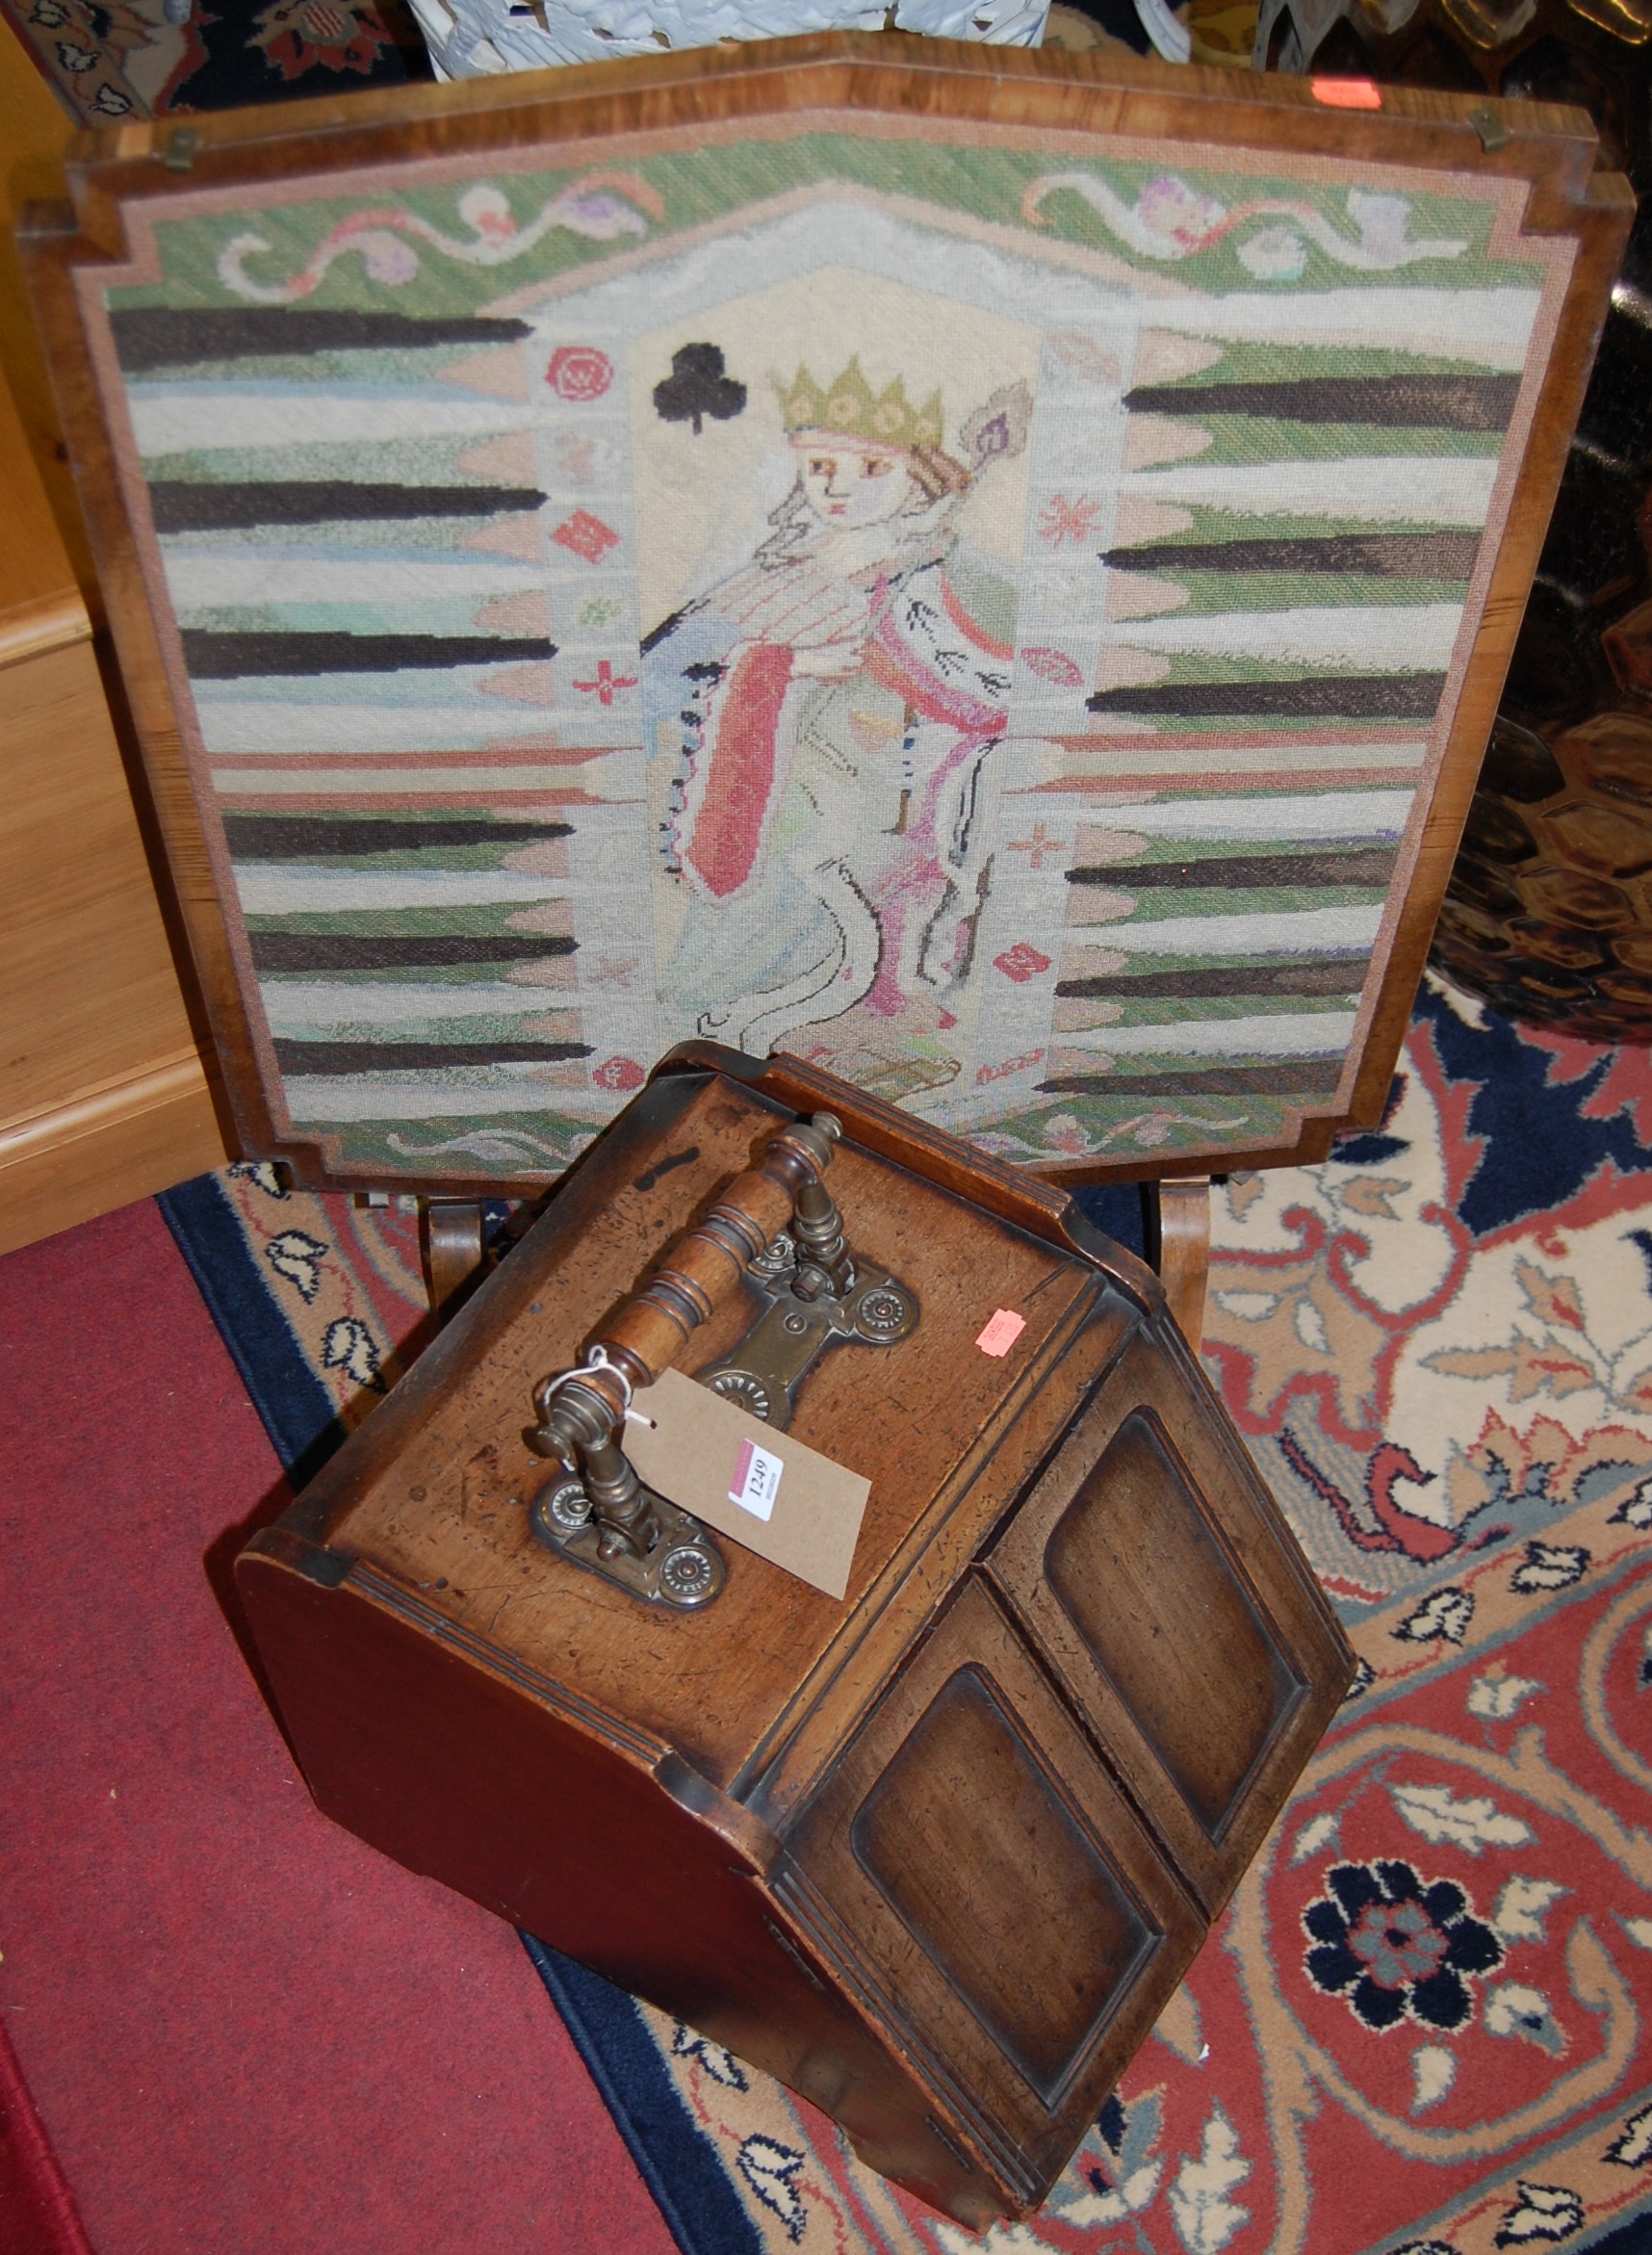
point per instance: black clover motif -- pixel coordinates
(1388, 1945)
(698, 386)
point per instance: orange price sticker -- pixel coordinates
(1347, 93)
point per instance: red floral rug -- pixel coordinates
(1422, 2026)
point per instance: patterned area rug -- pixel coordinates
(110, 60)
(1420, 2026)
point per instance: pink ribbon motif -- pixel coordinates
(599, 207)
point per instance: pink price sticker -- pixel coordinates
(1002, 1331)
(756, 1479)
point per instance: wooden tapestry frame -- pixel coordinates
(1524, 175)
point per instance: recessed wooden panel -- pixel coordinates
(1020, 1929)
(1135, 1564)
(969, 1837)
(1153, 1569)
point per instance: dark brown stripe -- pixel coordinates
(279, 838)
(1398, 402)
(1372, 555)
(356, 951)
(1241, 872)
(1377, 696)
(301, 1056)
(163, 336)
(215, 657)
(1342, 977)
(1289, 1078)
(182, 506)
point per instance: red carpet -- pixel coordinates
(242, 2031)
(38, 2211)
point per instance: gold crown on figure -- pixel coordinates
(850, 408)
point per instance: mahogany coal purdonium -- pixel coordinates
(935, 1856)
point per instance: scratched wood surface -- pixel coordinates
(448, 1515)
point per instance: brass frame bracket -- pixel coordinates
(763, 1372)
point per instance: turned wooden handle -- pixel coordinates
(696, 1274)
(691, 1279)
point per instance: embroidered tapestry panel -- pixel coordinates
(981, 620)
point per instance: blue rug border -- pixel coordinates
(1631, 2236)
(674, 2158)
(294, 1406)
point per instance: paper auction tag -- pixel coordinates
(786, 1502)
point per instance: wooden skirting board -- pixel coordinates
(104, 1096)
(103, 1093)
(80, 1158)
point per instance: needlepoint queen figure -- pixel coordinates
(840, 697)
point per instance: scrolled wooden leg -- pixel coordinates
(1177, 1217)
(452, 1247)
